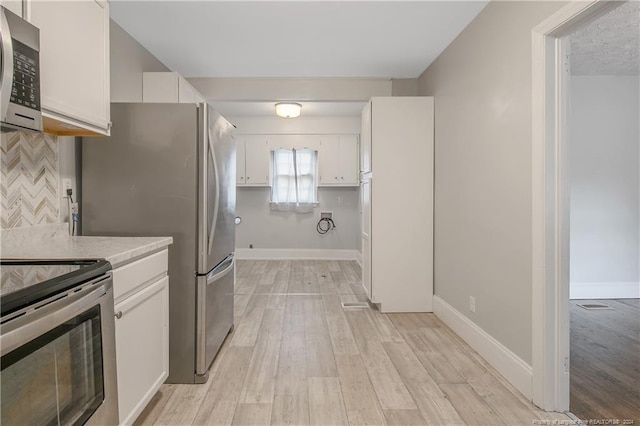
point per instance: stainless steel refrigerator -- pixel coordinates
(169, 169)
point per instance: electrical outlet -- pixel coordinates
(326, 215)
(340, 200)
(472, 303)
(66, 184)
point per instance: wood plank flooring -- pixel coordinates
(605, 360)
(297, 357)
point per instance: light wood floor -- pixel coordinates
(605, 360)
(297, 357)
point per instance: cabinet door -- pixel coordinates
(142, 347)
(365, 221)
(13, 5)
(329, 160)
(74, 63)
(187, 93)
(257, 160)
(168, 87)
(349, 160)
(240, 161)
(365, 139)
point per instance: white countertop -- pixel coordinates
(52, 242)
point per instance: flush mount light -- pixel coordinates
(288, 109)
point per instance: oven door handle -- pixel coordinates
(21, 330)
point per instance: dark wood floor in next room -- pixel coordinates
(605, 360)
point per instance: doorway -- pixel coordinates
(604, 200)
(552, 158)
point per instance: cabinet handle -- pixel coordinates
(336, 177)
(118, 314)
(248, 178)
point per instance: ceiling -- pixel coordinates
(610, 45)
(396, 39)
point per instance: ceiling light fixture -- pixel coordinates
(288, 109)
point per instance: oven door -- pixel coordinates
(58, 360)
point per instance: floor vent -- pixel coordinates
(355, 305)
(593, 306)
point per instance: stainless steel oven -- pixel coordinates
(57, 340)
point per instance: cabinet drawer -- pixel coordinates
(134, 276)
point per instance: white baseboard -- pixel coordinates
(359, 258)
(609, 290)
(512, 367)
(276, 254)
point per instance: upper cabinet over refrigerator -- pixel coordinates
(74, 63)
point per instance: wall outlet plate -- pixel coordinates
(66, 184)
(326, 215)
(472, 303)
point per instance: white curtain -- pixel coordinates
(294, 185)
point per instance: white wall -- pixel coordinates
(605, 186)
(482, 89)
(297, 126)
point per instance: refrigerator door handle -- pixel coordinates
(217, 200)
(215, 277)
(203, 282)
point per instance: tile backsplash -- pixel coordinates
(28, 179)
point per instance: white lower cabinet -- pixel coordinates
(142, 332)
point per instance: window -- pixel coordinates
(294, 180)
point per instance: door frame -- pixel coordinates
(550, 201)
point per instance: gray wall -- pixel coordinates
(605, 183)
(287, 230)
(404, 87)
(129, 59)
(482, 89)
(310, 89)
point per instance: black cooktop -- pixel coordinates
(24, 282)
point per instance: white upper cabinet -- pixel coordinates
(74, 63)
(13, 5)
(168, 87)
(338, 160)
(257, 157)
(240, 161)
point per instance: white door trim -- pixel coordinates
(550, 210)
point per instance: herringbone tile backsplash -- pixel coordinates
(29, 179)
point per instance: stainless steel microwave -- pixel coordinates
(20, 72)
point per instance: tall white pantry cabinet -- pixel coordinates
(396, 188)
